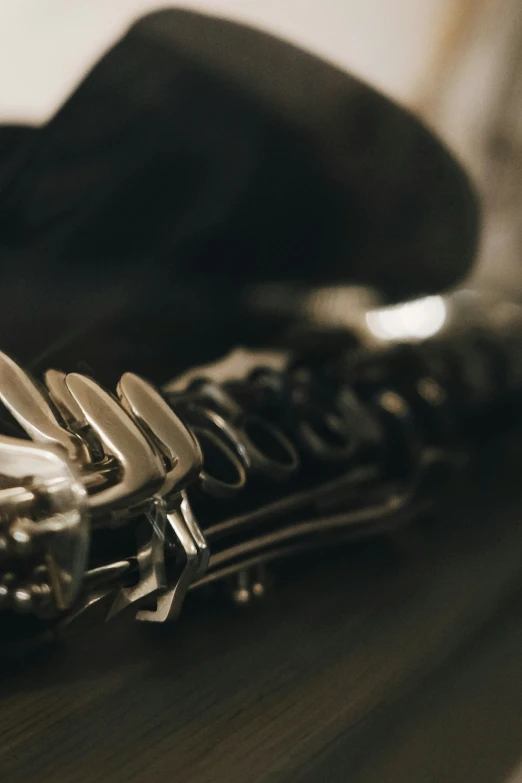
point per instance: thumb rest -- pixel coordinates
(144, 496)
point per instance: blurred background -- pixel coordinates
(458, 63)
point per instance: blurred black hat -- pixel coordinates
(198, 159)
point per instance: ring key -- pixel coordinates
(309, 413)
(225, 459)
(223, 475)
(262, 447)
(271, 453)
(324, 430)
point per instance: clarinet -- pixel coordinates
(142, 496)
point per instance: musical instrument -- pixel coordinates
(145, 495)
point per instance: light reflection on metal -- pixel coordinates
(414, 320)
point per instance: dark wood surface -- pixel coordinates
(395, 661)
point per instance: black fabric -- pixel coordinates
(200, 157)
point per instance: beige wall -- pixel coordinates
(45, 45)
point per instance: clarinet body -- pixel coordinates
(144, 495)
